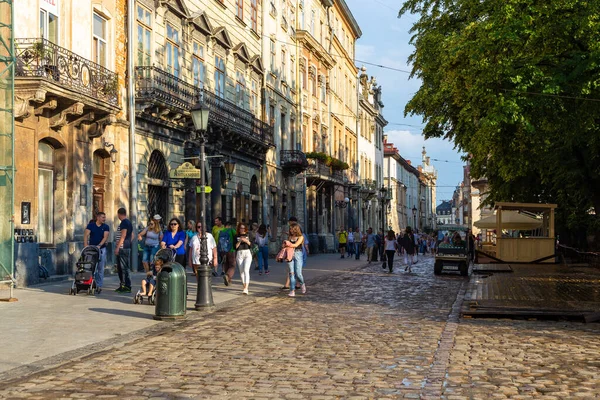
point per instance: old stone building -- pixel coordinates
(70, 131)
(190, 52)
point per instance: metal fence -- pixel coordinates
(570, 255)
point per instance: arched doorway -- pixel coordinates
(100, 169)
(158, 188)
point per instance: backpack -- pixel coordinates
(224, 245)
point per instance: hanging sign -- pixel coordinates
(185, 171)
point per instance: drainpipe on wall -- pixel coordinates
(133, 187)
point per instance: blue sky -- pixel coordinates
(385, 41)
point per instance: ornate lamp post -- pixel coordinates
(414, 210)
(204, 297)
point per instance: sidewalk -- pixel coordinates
(47, 326)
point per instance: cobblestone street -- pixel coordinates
(359, 334)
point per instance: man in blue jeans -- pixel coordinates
(123, 251)
(96, 234)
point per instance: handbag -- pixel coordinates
(254, 249)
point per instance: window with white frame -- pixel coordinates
(324, 90)
(254, 15)
(45, 192)
(220, 76)
(283, 65)
(272, 55)
(99, 37)
(172, 50)
(240, 9)
(198, 66)
(240, 88)
(254, 97)
(313, 17)
(144, 36)
(48, 26)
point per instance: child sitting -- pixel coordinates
(149, 282)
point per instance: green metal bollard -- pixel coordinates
(170, 293)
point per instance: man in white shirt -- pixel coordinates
(195, 247)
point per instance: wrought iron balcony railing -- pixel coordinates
(41, 58)
(240, 121)
(368, 185)
(152, 84)
(318, 167)
(294, 160)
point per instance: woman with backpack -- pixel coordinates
(262, 241)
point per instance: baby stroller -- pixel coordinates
(86, 267)
(166, 256)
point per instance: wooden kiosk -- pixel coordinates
(536, 247)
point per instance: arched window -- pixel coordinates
(45, 193)
(158, 190)
(254, 185)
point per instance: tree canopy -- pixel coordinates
(516, 85)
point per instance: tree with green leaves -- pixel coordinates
(516, 85)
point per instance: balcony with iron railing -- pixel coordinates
(318, 169)
(156, 86)
(293, 161)
(40, 58)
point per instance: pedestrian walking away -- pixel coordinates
(216, 230)
(151, 237)
(243, 257)
(262, 241)
(96, 234)
(295, 241)
(391, 248)
(174, 238)
(123, 239)
(195, 247)
(358, 241)
(227, 252)
(371, 245)
(190, 232)
(408, 244)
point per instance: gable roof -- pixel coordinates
(241, 51)
(203, 23)
(177, 6)
(222, 37)
(257, 65)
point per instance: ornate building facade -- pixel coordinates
(71, 141)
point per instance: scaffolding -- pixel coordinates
(7, 163)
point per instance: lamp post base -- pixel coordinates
(204, 297)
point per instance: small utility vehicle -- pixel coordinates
(452, 250)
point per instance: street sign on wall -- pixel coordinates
(185, 171)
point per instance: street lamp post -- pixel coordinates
(414, 210)
(204, 297)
